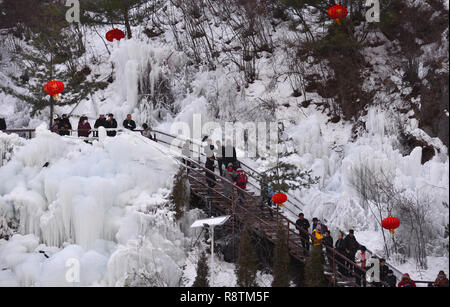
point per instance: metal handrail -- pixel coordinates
(224, 180)
(250, 173)
(289, 223)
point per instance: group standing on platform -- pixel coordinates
(62, 126)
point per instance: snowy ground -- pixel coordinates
(224, 272)
(105, 205)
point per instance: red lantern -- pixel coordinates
(390, 223)
(337, 12)
(114, 34)
(279, 198)
(54, 88)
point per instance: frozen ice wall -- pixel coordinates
(134, 62)
(92, 203)
(327, 150)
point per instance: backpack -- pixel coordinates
(323, 228)
(241, 179)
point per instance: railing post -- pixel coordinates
(288, 232)
(278, 223)
(234, 217)
(334, 267)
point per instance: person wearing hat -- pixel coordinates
(315, 223)
(302, 226)
(406, 282)
(111, 123)
(351, 245)
(211, 178)
(441, 280)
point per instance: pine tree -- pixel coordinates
(118, 12)
(281, 261)
(314, 271)
(299, 274)
(201, 281)
(247, 265)
(180, 194)
(56, 46)
(284, 176)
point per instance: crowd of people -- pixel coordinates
(351, 259)
(225, 155)
(356, 261)
(62, 126)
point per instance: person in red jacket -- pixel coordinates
(441, 280)
(406, 282)
(84, 127)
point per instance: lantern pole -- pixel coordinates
(51, 97)
(51, 111)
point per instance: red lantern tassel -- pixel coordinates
(392, 231)
(337, 21)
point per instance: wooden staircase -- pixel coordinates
(246, 208)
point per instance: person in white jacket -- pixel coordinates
(361, 257)
(361, 260)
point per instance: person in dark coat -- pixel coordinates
(340, 248)
(111, 123)
(302, 226)
(391, 280)
(84, 127)
(65, 127)
(351, 245)
(328, 241)
(211, 179)
(229, 154)
(384, 269)
(2, 124)
(315, 221)
(129, 123)
(100, 122)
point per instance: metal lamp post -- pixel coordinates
(211, 223)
